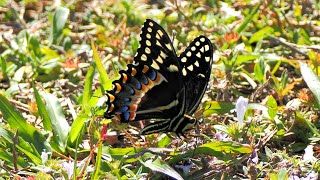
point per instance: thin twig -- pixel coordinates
(288, 45)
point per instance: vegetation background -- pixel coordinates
(59, 57)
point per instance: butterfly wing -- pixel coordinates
(146, 89)
(196, 63)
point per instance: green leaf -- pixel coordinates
(98, 163)
(280, 127)
(77, 129)
(283, 174)
(261, 34)
(18, 75)
(42, 109)
(118, 153)
(106, 83)
(59, 123)
(215, 107)
(248, 19)
(227, 147)
(4, 67)
(161, 166)
(26, 131)
(7, 156)
(220, 149)
(259, 70)
(67, 43)
(87, 91)
(246, 58)
(59, 20)
(311, 79)
(272, 103)
(164, 141)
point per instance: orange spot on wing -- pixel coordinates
(158, 79)
(124, 77)
(111, 108)
(135, 100)
(118, 87)
(150, 84)
(133, 107)
(133, 71)
(144, 88)
(145, 69)
(110, 97)
(132, 116)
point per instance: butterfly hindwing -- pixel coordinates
(196, 63)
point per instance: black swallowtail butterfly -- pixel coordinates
(159, 86)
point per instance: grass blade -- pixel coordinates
(103, 74)
(58, 121)
(311, 79)
(248, 19)
(26, 131)
(42, 109)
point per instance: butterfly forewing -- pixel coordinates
(196, 63)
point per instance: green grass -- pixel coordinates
(57, 61)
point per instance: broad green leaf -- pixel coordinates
(35, 157)
(272, 103)
(221, 149)
(283, 174)
(280, 126)
(161, 166)
(227, 147)
(5, 155)
(312, 127)
(25, 130)
(248, 19)
(59, 20)
(78, 125)
(215, 107)
(49, 54)
(34, 46)
(26, 148)
(246, 58)
(8, 157)
(59, 123)
(259, 70)
(118, 153)
(77, 129)
(311, 79)
(18, 75)
(164, 141)
(261, 34)
(42, 109)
